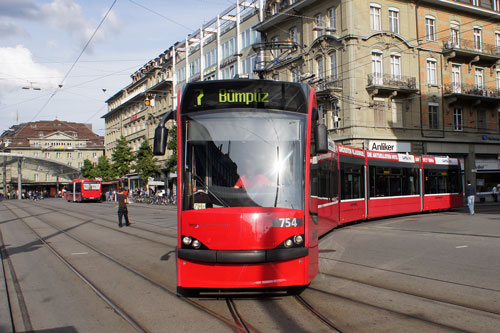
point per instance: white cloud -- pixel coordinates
(63, 15)
(18, 69)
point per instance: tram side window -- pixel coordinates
(327, 180)
(352, 181)
(442, 181)
(387, 182)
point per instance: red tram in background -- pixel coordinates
(80, 190)
(259, 182)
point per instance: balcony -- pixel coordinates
(471, 93)
(328, 84)
(470, 50)
(388, 84)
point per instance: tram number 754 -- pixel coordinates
(287, 222)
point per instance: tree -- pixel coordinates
(122, 157)
(104, 170)
(145, 164)
(88, 170)
(171, 163)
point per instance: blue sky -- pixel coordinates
(41, 39)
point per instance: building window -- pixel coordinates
(396, 67)
(276, 76)
(498, 81)
(458, 116)
(394, 20)
(332, 19)
(479, 78)
(497, 42)
(476, 2)
(68, 155)
(433, 116)
(295, 74)
(94, 155)
(80, 154)
(275, 8)
(482, 119)
(430, 28)
(496, 5)
(477, 39)
(320, 68)
(456, 80)
(333, 65)
(318, 26)
(292, 33)
(375, 19)
(431, 71)
(455, 34)
(37, 178)
(228, 48)
(377, 67)
(47, 155)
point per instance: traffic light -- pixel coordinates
(149, 101)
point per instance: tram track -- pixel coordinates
(112, 225)
(317, 314)
(236, 324)
(387, 291)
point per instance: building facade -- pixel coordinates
(409, 76)
(58, 141)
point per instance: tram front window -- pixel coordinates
(245, 158)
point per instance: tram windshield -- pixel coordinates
(244, 158)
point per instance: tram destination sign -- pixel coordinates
(246, 94)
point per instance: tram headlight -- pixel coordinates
(196, 244)
(186, 240)
(298, 239)
(288, 243)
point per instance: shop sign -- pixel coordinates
(389, 146)
(487, 164)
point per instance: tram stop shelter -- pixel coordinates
(13, 165)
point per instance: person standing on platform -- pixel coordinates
(470, 193)
(122, 199)
(494, 193)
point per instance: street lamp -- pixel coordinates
(31, 87)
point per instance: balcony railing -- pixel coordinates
(330, 82)
(470, 89)
(389, 80)
(471, 45)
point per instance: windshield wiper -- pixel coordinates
(208, 191)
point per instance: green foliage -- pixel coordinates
(104, 170)
(146, 164)
(171, 163)
(122, 157)
(88, 170)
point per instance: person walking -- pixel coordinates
(122, 199)
(494, 193)
(470, 193)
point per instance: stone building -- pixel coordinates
(63, 142)
(409, 76)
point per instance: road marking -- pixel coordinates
(79, 253)
(461, 246)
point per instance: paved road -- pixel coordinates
(425, 272)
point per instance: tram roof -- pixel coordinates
(52, 167)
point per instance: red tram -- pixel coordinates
(259, 182)
(83, 190)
